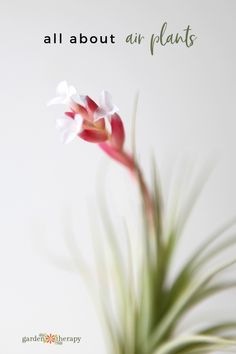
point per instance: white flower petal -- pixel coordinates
(106, 101)
(61, 123)
(81, 99)
(108, 126)
(69, 128)
(114, 110)
(62, 88)
(99, 113)
(106, 108)
(67, 136)
(71, 91)
(64, 92)
(56, 100)
(79, 121)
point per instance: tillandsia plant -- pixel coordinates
(143, 308)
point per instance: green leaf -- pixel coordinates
(181, 305)
(198, 341)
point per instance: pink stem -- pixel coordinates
(129, 162)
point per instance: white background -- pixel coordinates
(186, 108)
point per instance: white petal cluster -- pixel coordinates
(70, 127)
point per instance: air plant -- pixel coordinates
(143, 308)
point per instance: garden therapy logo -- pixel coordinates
(51, 339)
